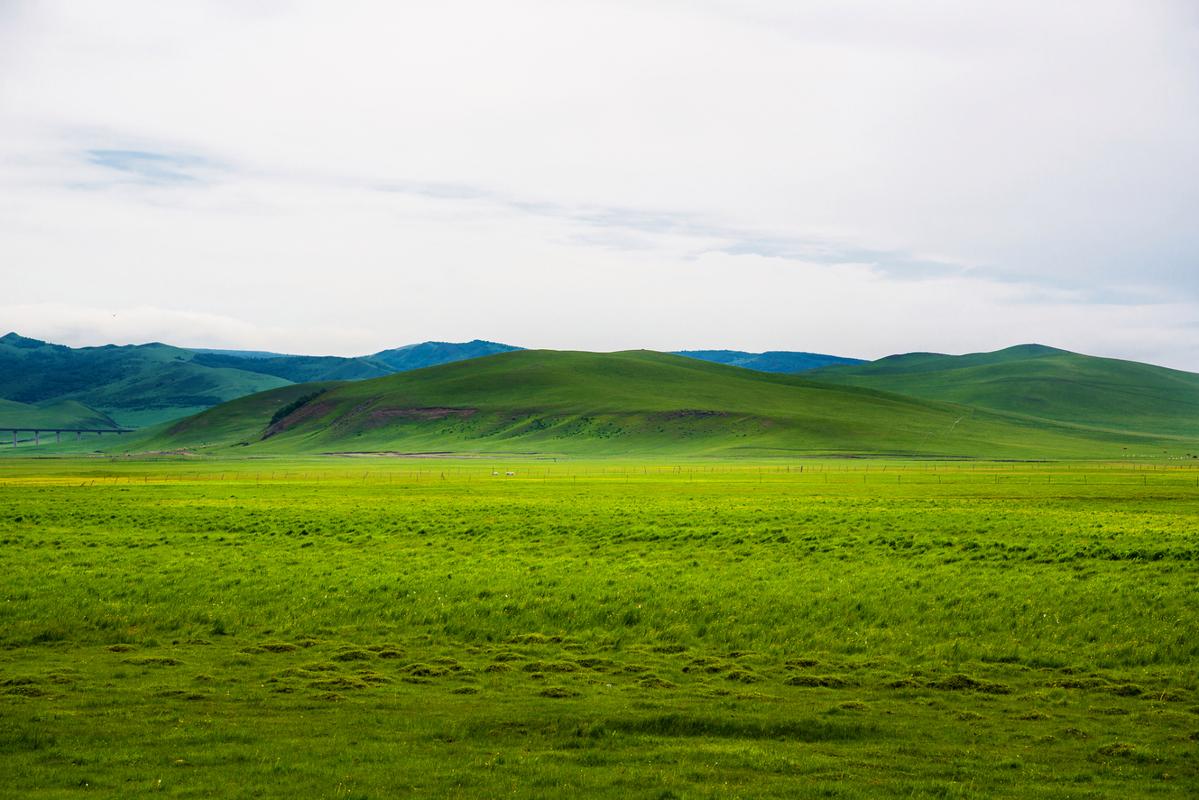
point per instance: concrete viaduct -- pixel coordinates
(58, 432)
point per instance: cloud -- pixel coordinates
(85, 326)
(533, 171)
(145, 166)
(451, 272)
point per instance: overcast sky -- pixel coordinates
(858, 177)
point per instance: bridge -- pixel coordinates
(58, 432)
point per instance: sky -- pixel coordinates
(856, 177)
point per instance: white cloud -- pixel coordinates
(608, 175)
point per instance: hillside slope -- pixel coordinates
(431, 354)
(1041, 382)
(141, 385)
(299, 369)
(771, 361)
(54, 414)
(617, 403)
(135, 384)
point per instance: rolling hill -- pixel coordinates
(238, 353)
(55, 414)
(142, 385)
(135, 385)
(1023, 401)
(299, 368)
(431, 354)
(771, 361)
(630, 403)
(1043, 383)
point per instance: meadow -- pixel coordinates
(371, 628)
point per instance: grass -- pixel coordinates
(60, 414)
(145, 385)
(635, 403)
(1045, 383)
(134, 385)
(412, 627)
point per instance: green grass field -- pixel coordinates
(375, 628)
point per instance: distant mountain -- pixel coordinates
(238, 353)
(770, 361)
(140, 385)
(430, 354)
(1042, 382)
(299, 369)
(640, 402)
(135, 385)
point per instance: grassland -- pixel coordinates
(368, 628)
(634, 403)
(1044, 383)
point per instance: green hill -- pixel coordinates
(55, 414)
(141, 385)
(431, 354)
(770, 361)
(618, 403)
(136, 385)
(324, 368)
(1042, 382)
(298, 369)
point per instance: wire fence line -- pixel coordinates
(876, 474)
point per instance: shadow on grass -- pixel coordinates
(803, 730)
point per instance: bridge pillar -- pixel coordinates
(37, 438)
(78, 435)
(14, 438)
(58, 437)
